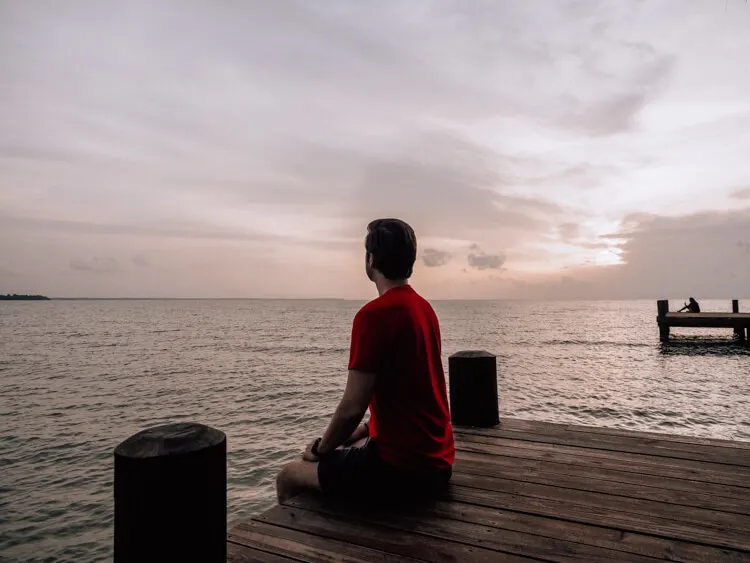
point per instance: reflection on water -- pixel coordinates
(77, 377)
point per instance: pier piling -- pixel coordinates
(171, 495)
(663, 308)
(739, 332)
(472, 378)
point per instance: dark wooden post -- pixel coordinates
(739, 333)
(662, 307)
(473, 388)
(171, 495)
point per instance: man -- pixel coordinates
(395, 368)
(691, 307)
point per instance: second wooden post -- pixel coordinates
(473, 388)
(739, 333)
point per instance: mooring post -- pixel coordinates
(662, 306)
(171, 495)
(739, 332)
(473, 388)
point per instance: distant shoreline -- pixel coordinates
(17, 297)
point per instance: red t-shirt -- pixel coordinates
(397, 337)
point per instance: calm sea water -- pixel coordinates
(77, 377)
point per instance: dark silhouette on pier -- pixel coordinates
(691, 307)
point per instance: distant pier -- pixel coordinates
(740, 322)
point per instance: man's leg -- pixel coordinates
(295, 478)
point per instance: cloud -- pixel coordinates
(702, 254)
(742, 194)
(480, 260)
(433, 258)
(569, 230)
(140, 260)
(99, 265)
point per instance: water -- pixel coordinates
(77, 377)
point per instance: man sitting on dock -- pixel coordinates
(395, 368)
(692, 307)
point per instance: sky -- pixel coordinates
(541, 150)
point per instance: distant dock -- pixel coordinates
(740, 322)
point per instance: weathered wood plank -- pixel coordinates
(704, 467)
(619, 474)
(629, 444)
(614, 483)
(629, 542)
(681, 514)
(458, 530)
(608, 517)
(302, 546)
(535, 426)
(237, 553)
(390, 540)
(686, 470)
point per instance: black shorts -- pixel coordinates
(359, 473)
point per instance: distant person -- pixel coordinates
(691, 307)
(395, 368)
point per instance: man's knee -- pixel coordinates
(296, 477)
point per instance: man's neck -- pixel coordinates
(384, 284)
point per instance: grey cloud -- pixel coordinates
(569, 231)
(742, 194)
(186, 231)
(482, 261)
(433, 257)
(100, 265)
(450, 186)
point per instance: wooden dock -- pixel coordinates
(534, 491)
(740, 322)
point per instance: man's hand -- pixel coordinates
(308, 455)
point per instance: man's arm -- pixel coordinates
(351, 409)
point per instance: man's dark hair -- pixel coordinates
(393, 247)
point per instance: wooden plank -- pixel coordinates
(676, 513)
(624, 462)
(540, 427)
(709, 315)
(301, 546)
(699, 320)
(624, 484)
(742, 470)
(630, 444)
(620, 474)
(628, 542)
(457, 530)
(608, 517)
(397, 541)
(237, 553)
